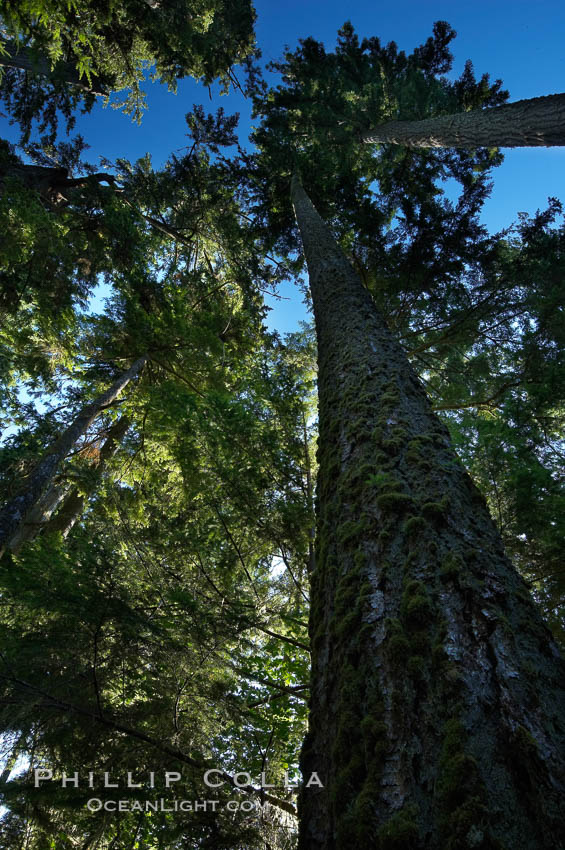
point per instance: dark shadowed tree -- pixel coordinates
(428, 652)
(431, 666)
(159, 621)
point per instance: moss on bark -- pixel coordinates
(421, 631)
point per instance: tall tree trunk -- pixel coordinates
(38, 516)
(535, 122)
(26, 59)
(309, 495)
(73, 505)
(437, 694)
(67, 503)
(17, 510)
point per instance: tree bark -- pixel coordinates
(25, 59)
(39, 514)
(51, 183)
(437, 693)
(17, 510)
(61, 506)
(309, 496)
(73, 505)
(535, 122)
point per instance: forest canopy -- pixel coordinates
(198, 511)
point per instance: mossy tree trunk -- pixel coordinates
(437, 701)
(16, 512)
(535, 122)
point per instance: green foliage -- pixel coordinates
(161, 612)
(107, 48)
(480, 316)
(312, 122)
(169, 625)
(510, 437)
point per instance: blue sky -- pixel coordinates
(518, 41)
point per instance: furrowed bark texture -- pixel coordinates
(14, 514)
(535, 122)
(437, 701)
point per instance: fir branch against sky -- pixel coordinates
(508, 40)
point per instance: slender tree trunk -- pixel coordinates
(39, 514)
(25, 59)
(73, 505)
(437, 702)
(9, 765)
(67, 503)
(17, 510)
(536, 122)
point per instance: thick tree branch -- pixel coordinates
(534, 122)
